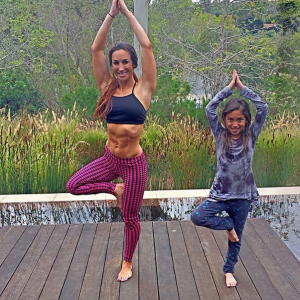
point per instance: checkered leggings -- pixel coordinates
(97, 176)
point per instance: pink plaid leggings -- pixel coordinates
(96, 177)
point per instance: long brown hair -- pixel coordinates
(104, 103)
(243, 107)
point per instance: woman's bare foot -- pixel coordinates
(126, 271)
(232, 236)
(118, 192)
(230, 280)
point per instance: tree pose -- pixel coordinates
(124, 102)
(233, 189)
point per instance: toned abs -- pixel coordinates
(124, 139)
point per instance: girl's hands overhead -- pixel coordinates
(235, 82)
(232, 84)
(238, 83)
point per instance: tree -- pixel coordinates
(17, 92)
(193, 41)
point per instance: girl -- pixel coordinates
(233, 189)
(124, 103)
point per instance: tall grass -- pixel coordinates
(277, 155)
(38, 154)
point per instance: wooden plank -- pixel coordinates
(245, 286)
(16, 255)
(165, 270)
(186, 284)
(4, 232)
(93, 275)
(74, 279)
(55, 281)
(17, 283)
(204, 281)
(110, 287)
(10, 240)
(130, 289)
(275, 272)
(43, 267)
(285, 258)
(215, 262)
(257, 272)
(148, 289)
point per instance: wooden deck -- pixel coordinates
(174, 260)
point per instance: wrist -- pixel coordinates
(111, 15)
(231, 86)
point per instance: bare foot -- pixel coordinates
(126, 271)
(230, 280)
(118, 192)
(232, 236)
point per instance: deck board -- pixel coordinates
(173, 260)
(275, 272)
(43, 267)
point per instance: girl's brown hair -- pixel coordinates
(243, 107)
(104, 103)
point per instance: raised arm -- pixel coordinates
(147, 82)
(261, 111)
(100, 65)
(260, 105)
(211, 111)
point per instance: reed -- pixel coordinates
(38, 154)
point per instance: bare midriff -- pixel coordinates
(124, 139)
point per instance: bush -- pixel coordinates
(85, 97)
(18, 93)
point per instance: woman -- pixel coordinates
(124, 102)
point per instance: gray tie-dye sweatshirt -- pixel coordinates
(234, 176)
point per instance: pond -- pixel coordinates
(281, 211)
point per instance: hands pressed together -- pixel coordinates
(235, 82)
(118, 6)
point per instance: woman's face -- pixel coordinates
(235, 123)
(122, 65)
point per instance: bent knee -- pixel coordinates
(197, 219)
(71, 188)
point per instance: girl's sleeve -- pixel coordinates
(261, 111)
(211, 111)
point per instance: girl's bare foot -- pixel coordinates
(118, 192)
(230, 280)
(232, 236)
(126, 271)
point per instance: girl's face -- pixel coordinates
(235, 123)
(122, 65)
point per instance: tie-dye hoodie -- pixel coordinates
(234, 176)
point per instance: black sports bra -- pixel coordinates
(126, 110)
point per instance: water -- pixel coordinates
(281, 211)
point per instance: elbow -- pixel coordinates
(96, 48)
(93, 48)
(147, 45)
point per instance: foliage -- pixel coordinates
(173, 98)
(84, 98)
(17, 92)
(39, 153)
(50, 41)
